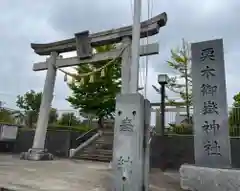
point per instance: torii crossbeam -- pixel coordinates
(148, 28)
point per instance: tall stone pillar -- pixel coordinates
(38, 152)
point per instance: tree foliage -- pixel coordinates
(30, 102)
(236, 99)
(53, 116)
(6, 116)
(181, 83)
(234, 114)
(68, 119)
(97, 97)
(180, 62)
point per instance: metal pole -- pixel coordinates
(162, 108)
(135, 46)
(131, 178)
(187, 95)
(126, 66)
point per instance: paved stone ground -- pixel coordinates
(68, 175)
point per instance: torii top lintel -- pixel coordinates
(148, 28)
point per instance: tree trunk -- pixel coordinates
(186, 82)
(100, 123)
(187, 95)
(30, 119)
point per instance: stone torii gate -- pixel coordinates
(83, 43)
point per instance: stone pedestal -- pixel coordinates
(36, 155)
(214, 179)
(128, 152)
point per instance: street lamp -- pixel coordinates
(162, 80)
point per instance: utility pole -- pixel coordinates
(135, 46)
(132, 121)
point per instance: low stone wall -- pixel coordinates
(57, 142)
(170, 152)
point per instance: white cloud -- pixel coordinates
(23, 22)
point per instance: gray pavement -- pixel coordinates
(69, 175)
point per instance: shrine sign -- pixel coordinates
(211, 140)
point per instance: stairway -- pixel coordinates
(99, 150)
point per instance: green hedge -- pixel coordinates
(234, 117)
(234, 131)
(79, 128)
(184, 129)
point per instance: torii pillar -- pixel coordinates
(38, 151)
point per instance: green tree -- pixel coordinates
(234, 114)
(236, 99)
(181, 83)
(6, 116)
(30, 102)
(68, 119)
(53, 116)
(97, 97)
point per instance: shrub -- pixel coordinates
(183, 129)
(234, 131)
(79, 128)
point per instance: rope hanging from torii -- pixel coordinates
(102, 69)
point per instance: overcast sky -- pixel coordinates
(26, 21)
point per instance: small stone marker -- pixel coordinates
(211, 141)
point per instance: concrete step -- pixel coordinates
(97, 151)
(106, 137)
(108, 134)
(99, 145)
(94, 157)
(102, 147)
(104, 141)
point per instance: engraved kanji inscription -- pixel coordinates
(212, 148)
(209, 127)
(210, 107)
(208, 89)
(208, 72)
(207, 53)
(122, 161)
(126, 125)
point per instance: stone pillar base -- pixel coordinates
(36, 155)
(204, 178)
